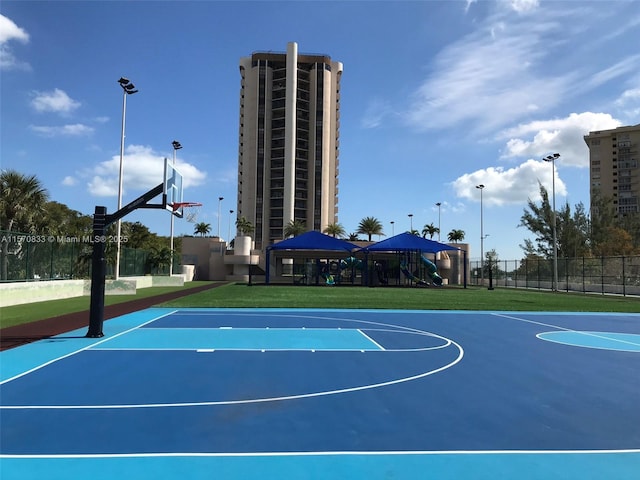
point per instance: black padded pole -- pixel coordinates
(98, 273)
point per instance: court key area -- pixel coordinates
(317, 394)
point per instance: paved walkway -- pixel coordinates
(17, 335)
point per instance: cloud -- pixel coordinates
(69, 181)
(143, 169)
(564, 135)
(56, 101)
(508, 186)
(523, 6)
(489, 78)
(624, 68)
(74, 130)
(468, 5)
(10, 31)
(628, 104)
(375, 113)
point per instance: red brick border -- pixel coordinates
(17, 335)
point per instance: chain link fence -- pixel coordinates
(605, 275)
(28, 257)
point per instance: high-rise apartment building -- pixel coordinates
(613, 168)
(289, 141)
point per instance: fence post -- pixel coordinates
(602, 274)
(624, 286)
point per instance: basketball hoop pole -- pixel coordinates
(98, 259)
(176, 146)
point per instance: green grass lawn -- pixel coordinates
(31, 312)
(450, 298)
(279, 296)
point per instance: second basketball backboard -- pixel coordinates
(173, 193)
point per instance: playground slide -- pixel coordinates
(431, 271)
(407, 273)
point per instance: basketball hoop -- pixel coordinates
(192, 215)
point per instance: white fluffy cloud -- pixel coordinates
(69, 181)
(143, 170)
(10, 31)
(56, 101)
(563, 135)
(508, 186)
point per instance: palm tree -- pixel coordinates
(456, 235)
(335, 230)
(244, 226)
(370, 226)
(22, 197)
(353, 237)
(430, 230)
(202, 228)
(294, 228)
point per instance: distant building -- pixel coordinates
(289, 141)
(613, 167)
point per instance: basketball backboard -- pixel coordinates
(172, 193)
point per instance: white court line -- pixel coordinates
(252, 400)
(371, 340)
(321, 454)
(589, 334)
(406, 331)
(82, 349)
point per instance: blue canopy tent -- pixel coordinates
(309, 241)
(408, 242)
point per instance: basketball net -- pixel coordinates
(192, 212)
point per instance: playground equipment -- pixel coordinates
(432, 272)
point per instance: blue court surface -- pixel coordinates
(327, 394)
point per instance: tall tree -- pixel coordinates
(539, 221)
(294, 228)
(202, 229)
(429, 229)
(22, 199)
(573, 231)
(456, 235)
(370, 226)
(244, 226)
(335, 230)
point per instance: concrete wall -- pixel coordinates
(207, 254)
(19, 293)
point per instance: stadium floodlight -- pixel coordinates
(481, 187)
(128, 89)
(552, 159)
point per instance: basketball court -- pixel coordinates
(310, 394)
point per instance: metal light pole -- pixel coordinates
(552, 159)
(438, 205)
(392, 228)
(219, 204)
(128, 89)
(411, 221)
(481, 187)
(229, 239)
(176, 146)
